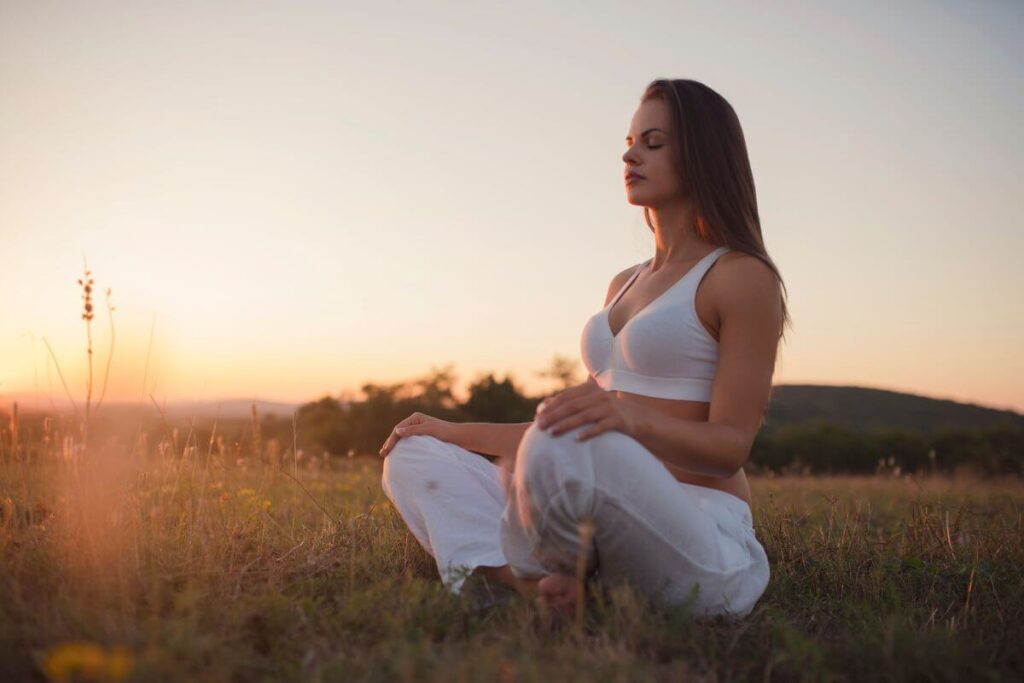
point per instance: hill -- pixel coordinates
(863, 409)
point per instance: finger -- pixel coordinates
(414, 424)
(556, 422)
(555, 400)
(550, 411)
(566, 407)
(543, 406)
(575, 420)
(599, 427)
(411, 420)
(400, 432)
(388, 444)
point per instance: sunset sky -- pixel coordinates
(308, 196)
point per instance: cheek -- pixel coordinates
(662, 176)
(665, 169)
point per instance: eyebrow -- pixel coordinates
(628, 138)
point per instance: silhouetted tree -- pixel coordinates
(493, 401)
(321, 423)
(818, 445)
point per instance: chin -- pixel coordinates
(636, 198)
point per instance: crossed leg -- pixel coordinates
(452, 500)
(523, 528)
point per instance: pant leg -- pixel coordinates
(674, 542)
(451, 499)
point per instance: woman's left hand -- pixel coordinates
(585, 403)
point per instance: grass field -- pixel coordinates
(156, 569)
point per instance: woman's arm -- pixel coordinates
(703, 448)
(751, 322)
(491, 438)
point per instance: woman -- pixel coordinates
(638, 471)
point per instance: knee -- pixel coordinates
(554, 482)
(544, 461)
(409, 459)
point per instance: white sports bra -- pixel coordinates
(663, 351)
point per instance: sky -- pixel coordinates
(292, 199)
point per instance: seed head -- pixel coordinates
(86, 283)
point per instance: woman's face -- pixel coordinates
(649, 154)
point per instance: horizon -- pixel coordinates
(64, 406)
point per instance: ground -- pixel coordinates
(186, 569)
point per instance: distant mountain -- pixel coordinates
(229, 409)
(855, 408)
(862, 409)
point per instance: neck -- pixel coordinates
(675, 234)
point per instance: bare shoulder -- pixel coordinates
(745, 267)
(618, 281)
(745, 284)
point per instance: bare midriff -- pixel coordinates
(708, 316)
(696, 411)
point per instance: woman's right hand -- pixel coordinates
(418, 423)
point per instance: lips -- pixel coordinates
(633, 177)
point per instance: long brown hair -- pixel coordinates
(712, 160)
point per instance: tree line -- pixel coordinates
(815, 447)
(332, 427)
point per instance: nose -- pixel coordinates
(629, 156)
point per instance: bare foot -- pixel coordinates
(526, 587)
(561, 593)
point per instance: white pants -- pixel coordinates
(671, 540)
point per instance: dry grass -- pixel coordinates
(200, 567)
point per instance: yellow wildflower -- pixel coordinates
(80, 659)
